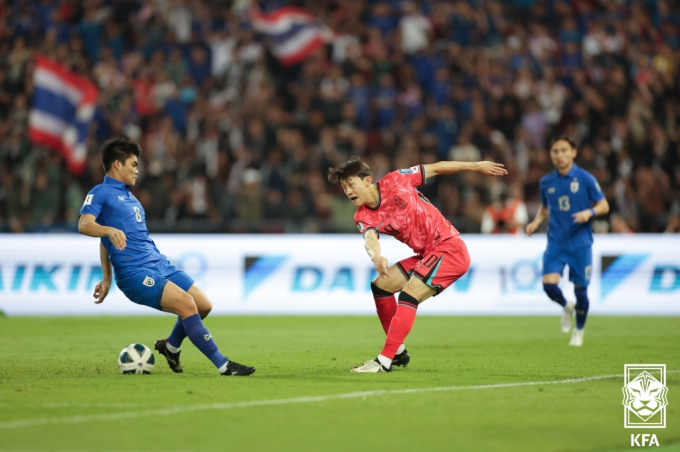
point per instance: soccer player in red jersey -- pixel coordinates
(394, 207)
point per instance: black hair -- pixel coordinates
(354, 167)
(562, 138)
(118, 149)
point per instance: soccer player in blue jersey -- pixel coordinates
(570, 198)
(142, 273)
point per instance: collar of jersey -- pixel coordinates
(571, 173)
(377, 204)
(115, 182)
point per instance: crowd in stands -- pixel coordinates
(234, 142)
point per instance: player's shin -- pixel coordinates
(400, 327)
(582, 305)
(176, 337)
(201, 338)
(385, 304)
(555, 294)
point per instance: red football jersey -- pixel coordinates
(404, 213)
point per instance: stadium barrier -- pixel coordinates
(330, 274)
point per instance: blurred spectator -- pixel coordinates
(234, 142)
(505, 215)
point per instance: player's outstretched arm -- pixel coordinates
(601, 208)
(541, 216)
(485, 167)
(101, 290)
(87, 225)
(373, 249)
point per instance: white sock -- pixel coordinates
(171, 348)
(385, 361)
(401, 349)
(223, 369)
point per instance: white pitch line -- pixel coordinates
(20, 423)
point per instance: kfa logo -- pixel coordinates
(643, 440)
(644, 396)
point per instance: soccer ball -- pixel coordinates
(136, 359)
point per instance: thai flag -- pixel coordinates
(295, 33)
(63, 106)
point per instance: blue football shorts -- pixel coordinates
(579, 260)
(146, 285)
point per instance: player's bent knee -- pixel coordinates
(551, 278)
(205, 309)
(377, 290)
(406, 298)
(186, 306)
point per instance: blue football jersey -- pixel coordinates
(565, 196)
(113, 205)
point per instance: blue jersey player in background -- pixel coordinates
(142, 273)
(570, 197)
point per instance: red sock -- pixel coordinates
(401, 325)
(386, 305)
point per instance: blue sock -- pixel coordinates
(582, 305)
(201, 338)
(177, 334)
(555, 294)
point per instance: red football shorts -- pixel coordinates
(440, 267)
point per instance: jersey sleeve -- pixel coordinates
(364, 225)
(94, 202)
(594, 191)
(413, 176)
(541, 190)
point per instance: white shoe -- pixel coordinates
(576, 337)
(371, 367)
(565, 322)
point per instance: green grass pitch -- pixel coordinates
(61, 390)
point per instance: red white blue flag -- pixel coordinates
(63, 107)
(294, 33)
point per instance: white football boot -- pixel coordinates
(565, 321)
(371, 367)
(576, 337)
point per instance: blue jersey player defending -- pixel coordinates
(570, 197)
(143, 274)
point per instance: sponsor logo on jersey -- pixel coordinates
(551, 190)
(121, 198)
(399, 202)
(149, 281)
(360, 226)
(405, 171)
(574, 186)
(88, 200)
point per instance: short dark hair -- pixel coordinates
(562, 138)
(118, 149)
(354, 167)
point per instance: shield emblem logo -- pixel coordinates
(574, 186)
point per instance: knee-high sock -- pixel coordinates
(201, 338)
(401, 325)
(385, 304)
(582, 305)
(177, 334)
(555, 294)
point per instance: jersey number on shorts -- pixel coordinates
(564, 203)
(138, 214)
